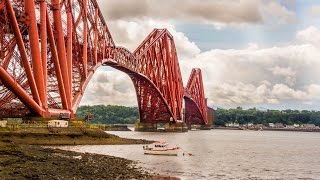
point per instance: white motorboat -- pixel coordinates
(161, 148)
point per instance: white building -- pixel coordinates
(271, 125)
(3, 123)
(296, 125)
(232, 124)
(290, 126)
(309, 126)
(58, 123)
(249, 124)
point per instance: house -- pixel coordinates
(278, 125)
(3, 123)
(296, 125)
(271, 125)
(58, 123)
(258, 126)
(290, 126)
(232, 125)
(309, 126)
(249, 124)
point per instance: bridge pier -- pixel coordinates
(161, 127)
(206, 127)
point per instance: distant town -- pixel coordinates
(255, 119)
(273, 126)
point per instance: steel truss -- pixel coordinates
(195, 102)
(49, 50)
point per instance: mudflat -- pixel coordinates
(23, 155)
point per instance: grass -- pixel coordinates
(62, 136)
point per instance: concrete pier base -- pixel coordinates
(161, 127)
(145, 127)
(205, 127)
(199, 127)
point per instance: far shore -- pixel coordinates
(269, 129)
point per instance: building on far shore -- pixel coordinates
(309, 126)
(58, 123)
(258, 126)
(271, 125)
(296, 125)
(232, 124)
(3, 123)
(290, 126)
(278, 125)
(250, 124)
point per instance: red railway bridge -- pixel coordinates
(49, 50)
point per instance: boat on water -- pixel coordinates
(161, 148)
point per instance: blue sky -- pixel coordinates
(207, 36)
(253, 53)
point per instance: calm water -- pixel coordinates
(226, 154)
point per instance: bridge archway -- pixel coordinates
(109, 86)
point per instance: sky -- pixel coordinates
(253, 53)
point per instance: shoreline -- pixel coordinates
(269, 129)
(23, 157)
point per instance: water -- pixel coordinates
(225, 154)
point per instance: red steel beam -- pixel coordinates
(55, 59)
(69, 47)
(62, 69)
(20, 92)
(35, 50)
(62, 50)
(85, 39)
(104, 42)
(43, 35)
(95, 42)
(23, 52)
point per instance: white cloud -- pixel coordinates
(284, 92)
(282, 71)
(309, 35)
(314, 92)
(110, 87)
(288, 73)
(315, 10)
(275, 13)
(217, 13)
(131, 33)
(259, 76)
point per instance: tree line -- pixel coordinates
(129, 115)
(109, 114)
(255, 116)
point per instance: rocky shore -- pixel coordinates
(22, 157)
(35, 162)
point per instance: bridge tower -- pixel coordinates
(195, 101)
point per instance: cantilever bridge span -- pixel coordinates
(49, 50)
